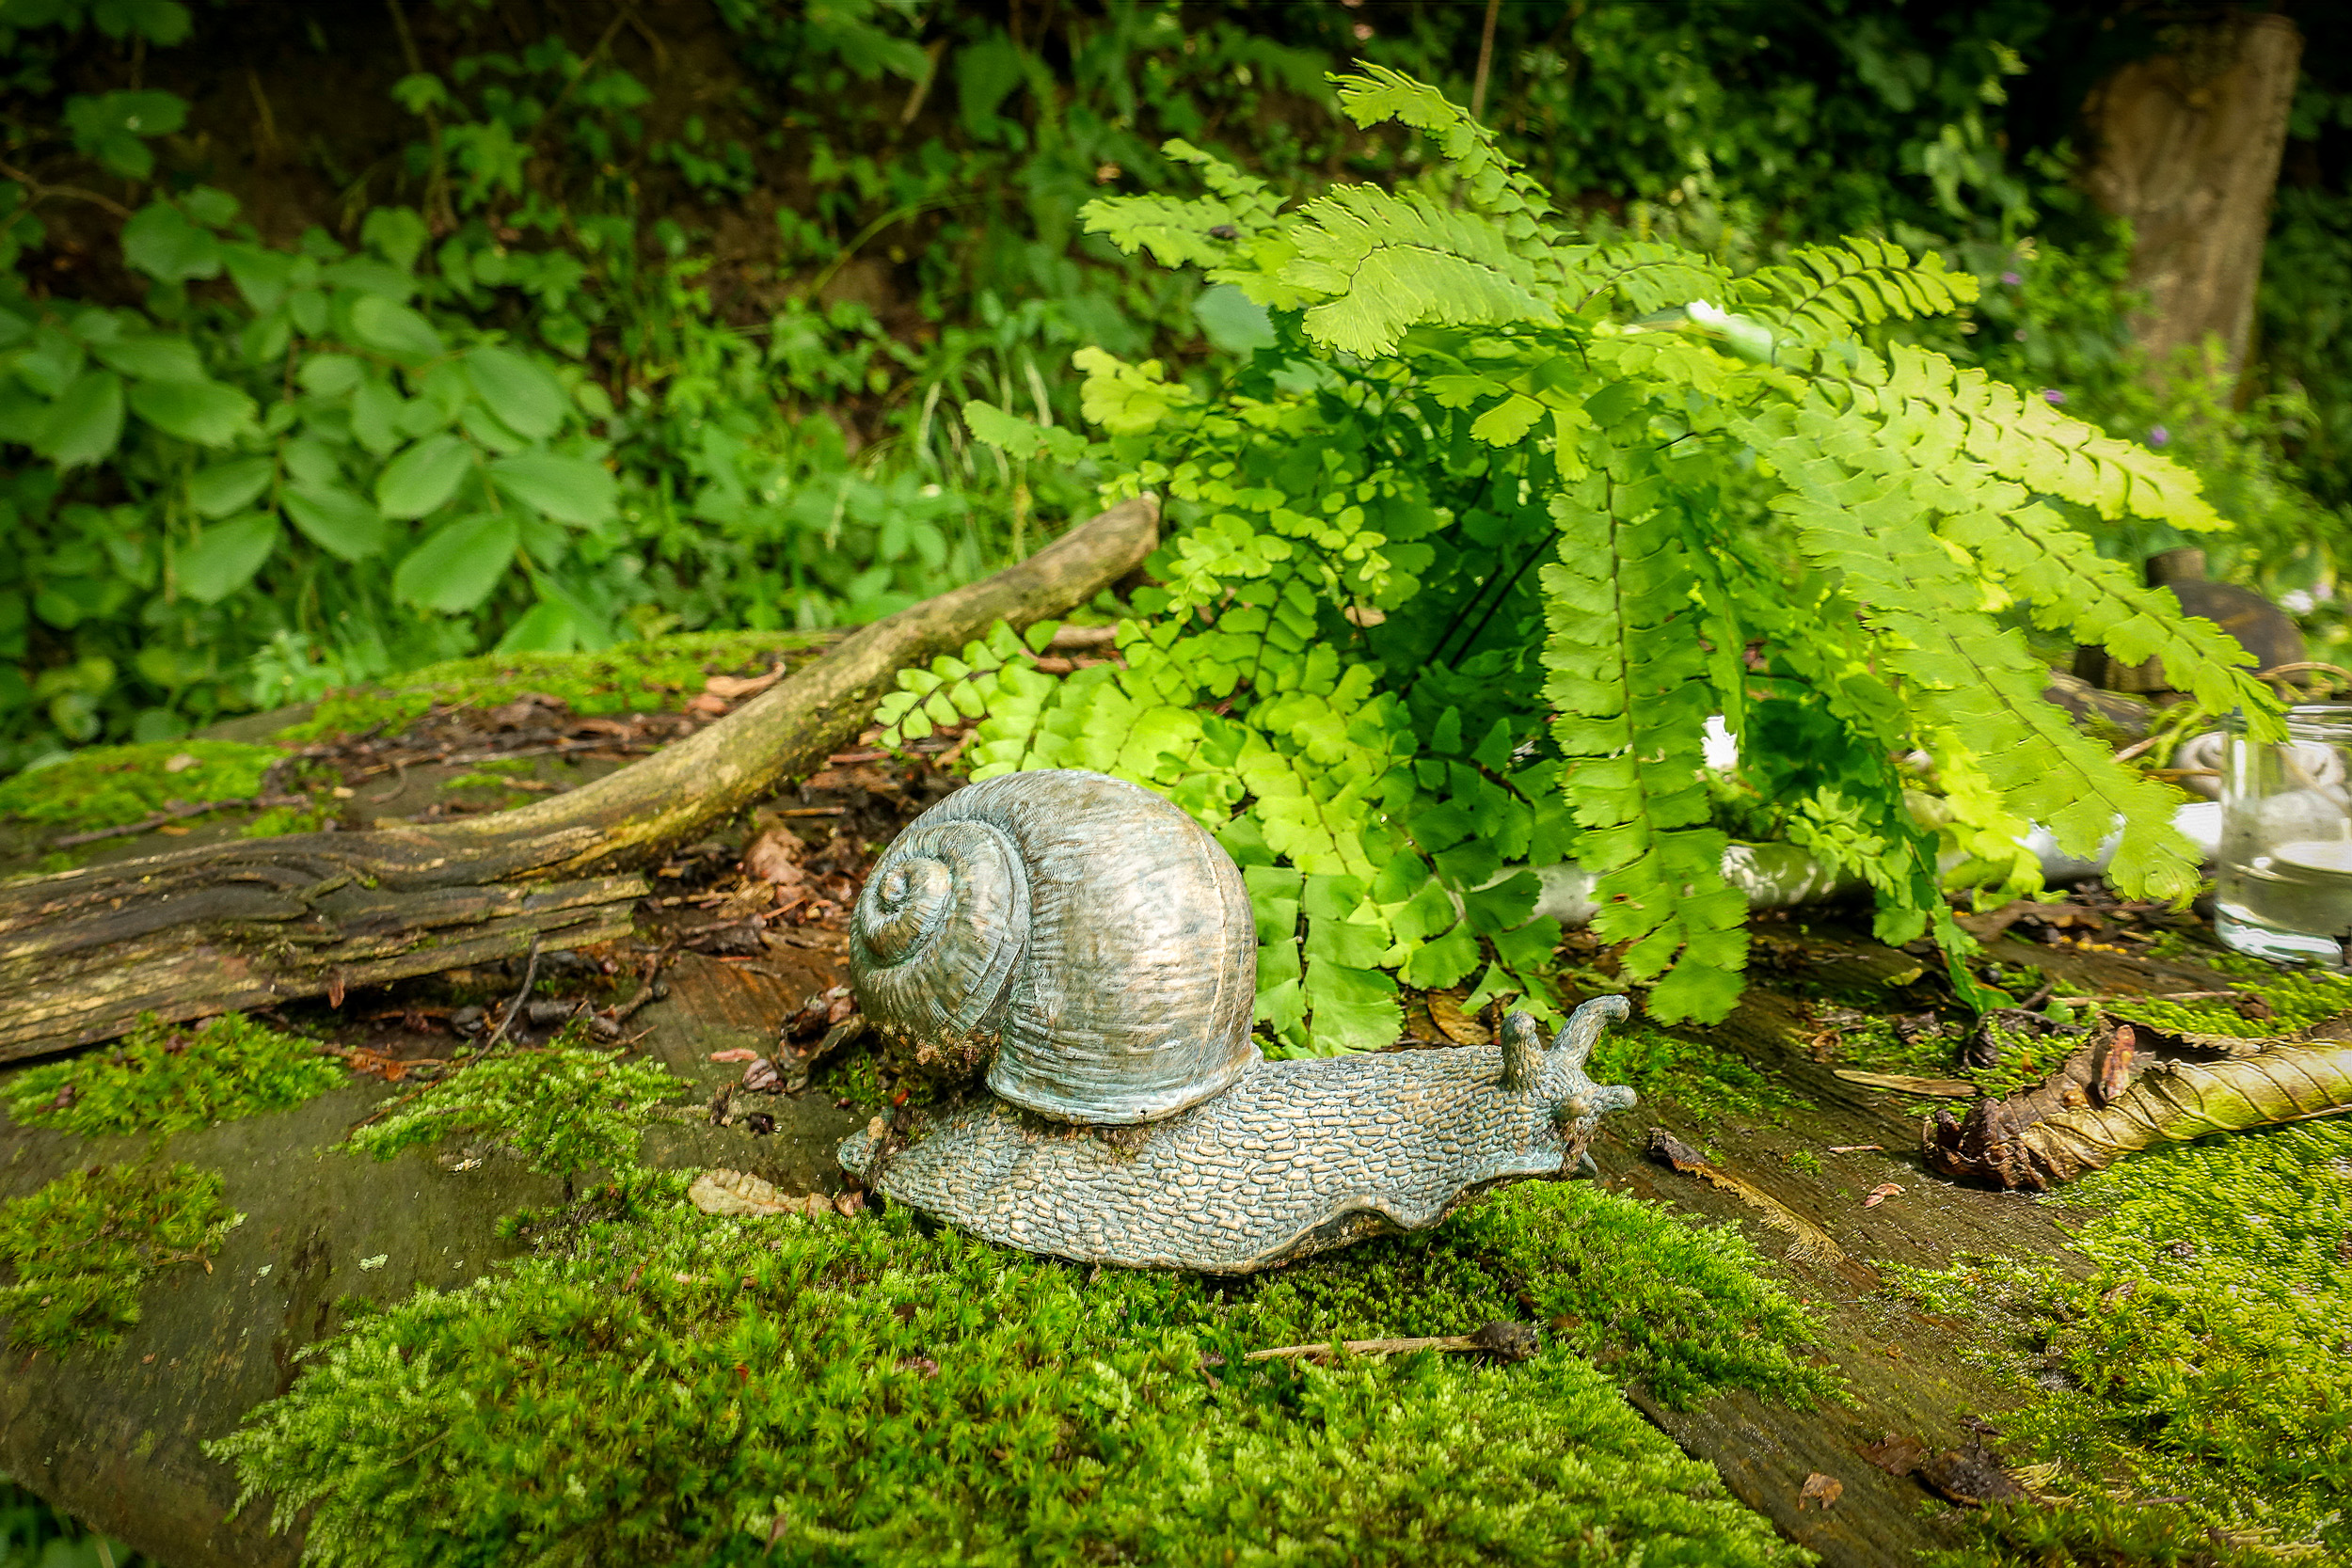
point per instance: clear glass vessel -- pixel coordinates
(2284, 877)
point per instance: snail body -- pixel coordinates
(1093, 947)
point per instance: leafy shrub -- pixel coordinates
(1496, 519)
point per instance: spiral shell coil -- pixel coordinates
(1088, 933)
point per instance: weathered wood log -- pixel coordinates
(222, 927)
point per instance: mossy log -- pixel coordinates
(225, 927)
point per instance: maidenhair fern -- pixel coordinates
(1470, 552)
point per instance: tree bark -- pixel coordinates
(2187, 148)
(223, 926)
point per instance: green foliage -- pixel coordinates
(2201, 1375)
(1354, 676)
(680, 1389)
(31, 1531)
(165, 1078)
(567, 1107)
(104, 786)
(261, 472)
(80, 1247)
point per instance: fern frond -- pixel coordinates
(1961, 672)
(1381, 264)
(1201, 230)
(2027, 439)
(1641, 277)
(1626, 677)
(1926, 449)
(1825, 293)
(1493, 184)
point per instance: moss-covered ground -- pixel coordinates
(2199, 1381)
(106, 787)
(631, 676)
(566, 1107)
(78, 1249)
(163, 1077)
(669, 1388)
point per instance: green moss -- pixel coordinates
(163, 1077)
(80, 1247)
(2297, 998)
(1702, 1080)
(2204, 1369)
(567, 1107)
(108, 785)
(629, 676)
(681, 1389)
(1679, 1310)
(289, 819)
(2027, 1056)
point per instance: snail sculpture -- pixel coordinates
(1092, 948)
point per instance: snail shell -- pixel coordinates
(1089, 934)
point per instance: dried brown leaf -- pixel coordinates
(1897, 1456)
(1445, 1011)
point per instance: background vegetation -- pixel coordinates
(338, 342)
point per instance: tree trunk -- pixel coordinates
(212, 929)
(2187, 149)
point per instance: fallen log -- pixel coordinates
(220, 927)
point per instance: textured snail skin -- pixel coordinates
(1294, 1158)
(1089, 934)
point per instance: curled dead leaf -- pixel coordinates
(740, 1054)
(1445, 1011)
(774, 856)
(1880, 1194)
(1897, 1456)
(1821, 1489)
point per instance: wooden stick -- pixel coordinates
(214, 929)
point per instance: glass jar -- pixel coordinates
(2284, 875)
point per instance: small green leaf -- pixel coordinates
(549, 628)
(458, 565)
(524, 394)
(209, 413)
(1231, 321)
(225, 557)
(84, 422)
(151, 355)
(329, 376)
(569, 490)
(160, 241)
(337, 521)
(391, 327)
(225, 487)
(422, 477)
(113, 127)
(1018, 437)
